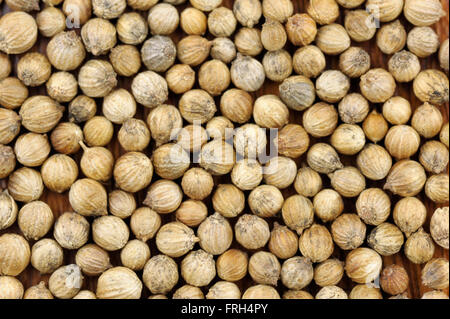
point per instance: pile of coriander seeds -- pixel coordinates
(255, 149)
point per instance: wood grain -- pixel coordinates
(59, 202)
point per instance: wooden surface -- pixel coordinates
(59, 202)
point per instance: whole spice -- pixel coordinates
(394, 279)
(273, 35)
(164, 123)
(437, 188)
(219, 127)
(297, 273)
(144, 223)
(434, 294)
(366, 291)
(404, 66)
(439, 227)
(332, 39)
(323, 158)
(323, 11)
(248, 12)
(297, 92)
(250, 140)
(217, 157)
(348, 139)
(391, 37)
(223, 49)
(163, 19)
(309, 61)
(7, 161)
(46, 256)
(180, 78)
(88, 197)
(8, 210)
(423, 14)
(363, 265)
(443, 55)
(261, 292)
(331, 292)
(134, 135)
(158, 53)
(12, 288)
(82, 109)
(247, 73)
(25, 185)
(131, 28)
(38, 291)
(354, 62)
(328, 205)
(353, 108)
(232, 265)
(35, 220)
(214, 77)
(298, 213)
(92, 260)
(320, 119)
(215, 234)
(427, 120)
(33, 69)
(40, 114)
(283, 242)
(280, 172)
(133, 171)
(348, 181)
(188, 292)
(193, 50)
(360, 25)
(110, 232)
(307, 182)
(301, 29)
(119, 106)
(62, 86)
(5, 66)
(32, 149)
(14, 254)
(205, 5)
(97, 78)
(373, 206)
(397, 110)
(135, 254)
(175, 239)
(236, 105)
(270, 112)
(71, 230)
(377, 85)
(386, 239)
(164, 196)
(98, 131)
(228, 200)
(79, 11)
(85, 294)
(221, 22)
(197, 183)
(251, 231)
(191, 212)
(99, 36)
(409, 214)
(108, 10)
(59, 172)
(265, 201)
(402, 141)
(443, 136)
(422, 41)
(348, 232)
(328, 272)
(18, 32)
(434, 156)
(435, 273)
(66, 51)
(170, 161)
(142, 5)
(385, 11)
(97, 163)
(193, 21)
(198, 268)
(419, 247)
(125, 59)
(149, 89)
(119, 283)
(277, 65)
(277, 10)
(316, 243)
(160, 274)
(247, 174)
(431, 86)
(12, 92)
(224, 290)
(264, 268)
(197, 106)
(375, 126)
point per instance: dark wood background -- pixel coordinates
(59, 202)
